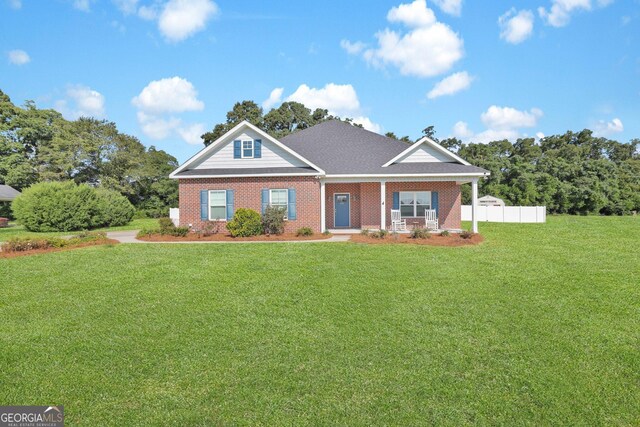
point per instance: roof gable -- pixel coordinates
(219, 154)
(426, 150)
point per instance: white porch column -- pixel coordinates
(383, 210)
(323, 206)
(474, 205)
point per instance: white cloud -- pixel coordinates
(128, 7)
(604, 129)
(451, 85)
(15, 4)
(516, 27)
(191, 134)
(452, 7)
(81, 101)
(501, 123)
(428, 49)
(83, 5)
(173, 94)
(181, 19)
(509, 118)
(157, 127)
(339, 100)
(274, 98)
(352, 48)
(158, 101)
(559, 14)
(18, 57)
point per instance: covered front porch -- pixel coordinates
(350, 205)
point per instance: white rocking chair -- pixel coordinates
(397, 224)
(431, 219)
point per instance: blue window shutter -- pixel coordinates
(237, 145)
(396, 200)
(230, 197)
(265, 200)
(291, 209)
(257, 149)
(204, 205)
(434, 201)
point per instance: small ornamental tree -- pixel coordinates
(273, 219)
(245, 223)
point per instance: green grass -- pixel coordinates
(539, 325)
(17, 230)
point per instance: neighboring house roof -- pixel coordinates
(342, 149)
(335, 149)
(8, 193)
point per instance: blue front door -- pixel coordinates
(341, 206)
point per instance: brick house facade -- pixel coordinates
(317, 166)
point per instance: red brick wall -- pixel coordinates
(449, 209)
(370, 202)
(248, 194)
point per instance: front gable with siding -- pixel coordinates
(307, 171)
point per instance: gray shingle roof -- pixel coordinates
(8, 193)
(340, 149)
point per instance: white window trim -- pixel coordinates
(415, 206)
(286, 191)
(242, 156)
(210, 206)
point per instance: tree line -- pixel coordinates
(39, 145)
(575, 173)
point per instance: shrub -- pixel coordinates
(180, 231)
(273, 219)
(245, 223)
(420, 233)
(304, 231)
(380, 234)
(56, 206)
(65, 206)
(113, 209)
(326, 233)
(210, 228)
(364, 232)
(146, 232)
(445, 233)
(466, 234)
(166, 225)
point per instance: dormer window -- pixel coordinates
(247, 149)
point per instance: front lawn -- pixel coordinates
(538, 325)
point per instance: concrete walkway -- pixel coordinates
(130, 237)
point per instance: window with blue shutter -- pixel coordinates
(230, 210)
(265, 200)
(204, 205)
(291, 208)
(237, 149)
(257, 149)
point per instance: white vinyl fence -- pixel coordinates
(174, 214)
(506, 213)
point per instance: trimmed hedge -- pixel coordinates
(245, 223)
(65, 206)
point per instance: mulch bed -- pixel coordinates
(434, 240)
(66, 248)
(224, 237)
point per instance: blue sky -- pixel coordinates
(167, 70)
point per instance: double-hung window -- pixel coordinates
(217, 205)
(279, 198)
(247, 149)
(414, 203)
